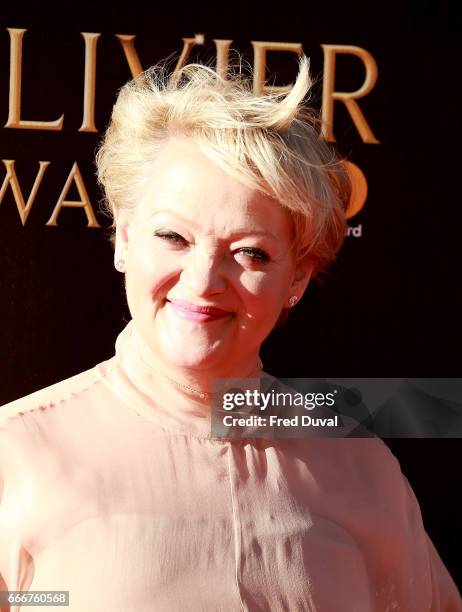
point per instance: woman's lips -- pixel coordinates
(187, 310)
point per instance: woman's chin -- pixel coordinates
(196, 356)
(193, 362)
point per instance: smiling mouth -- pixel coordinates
(195, 313)
(206, 309)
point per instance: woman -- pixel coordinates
(225, 204)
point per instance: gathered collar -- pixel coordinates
(138, 378)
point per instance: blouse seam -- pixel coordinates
(55, 401)
(237, 546)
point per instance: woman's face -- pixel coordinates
(201, 238)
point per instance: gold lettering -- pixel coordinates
(83, 203)
(11, 179)
(88, 123)
(188, 44)
(14, 114)
(222, 47)
(358, 191)
(128, 45)
(260, 49)
(329, 95)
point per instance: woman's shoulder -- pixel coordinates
(54, 396)
(359, 454)
(366, 464)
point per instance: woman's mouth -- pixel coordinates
(194, 312)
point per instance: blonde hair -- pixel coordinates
(270, 142)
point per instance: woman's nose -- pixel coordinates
(203, 272)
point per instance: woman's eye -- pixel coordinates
(170, 236)
(257, 255)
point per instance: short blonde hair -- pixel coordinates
(270, 142)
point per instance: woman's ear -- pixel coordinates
(122, 233)
(303, 272)
(121, 241)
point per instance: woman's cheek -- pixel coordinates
(154, 273)
(262, 287)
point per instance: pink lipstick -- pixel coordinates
(194, 312)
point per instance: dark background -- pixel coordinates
(391, 304)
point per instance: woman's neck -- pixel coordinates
(197, 384)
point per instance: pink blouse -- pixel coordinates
(111, 488)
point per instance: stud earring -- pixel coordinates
(293, 300)
(120, 265)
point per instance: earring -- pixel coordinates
(293, 300)
(120, 265)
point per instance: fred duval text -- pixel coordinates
(275, 421)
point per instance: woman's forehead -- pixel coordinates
(184, 182)
(181, 168)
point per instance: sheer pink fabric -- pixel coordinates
(111, 489)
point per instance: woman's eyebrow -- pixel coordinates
(254, 232)
(236, 233)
